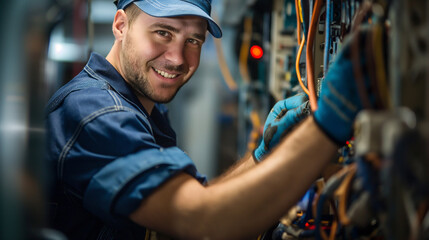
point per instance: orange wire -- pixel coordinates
(298, 22)
(255, 133)
(301, 46)
(244, 50)
(310, 74)
(223, 66)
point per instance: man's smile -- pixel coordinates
(165, 74)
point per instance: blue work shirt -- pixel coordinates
(106, 154)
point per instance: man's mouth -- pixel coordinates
(165, 74)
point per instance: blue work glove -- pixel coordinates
(339, 100)
(282, 118)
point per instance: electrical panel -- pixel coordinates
(379, 188)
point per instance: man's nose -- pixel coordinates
(176, 54)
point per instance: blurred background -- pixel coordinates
(218, 116)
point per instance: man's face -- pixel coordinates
(159, 55)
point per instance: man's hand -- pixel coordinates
(283, 116)
(339, 100)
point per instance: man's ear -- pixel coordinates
(120, 24)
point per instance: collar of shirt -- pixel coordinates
(106, 70)
(158, 117)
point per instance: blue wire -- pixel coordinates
(327, 36)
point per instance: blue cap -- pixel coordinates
(174, 8)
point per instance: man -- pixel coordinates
(118, 172)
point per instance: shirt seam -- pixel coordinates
(79, 129)
(92, 73)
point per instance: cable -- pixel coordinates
(327, 37)
(300, 11)
(370, 66)
(298, 21)
(256, 129)
(244, 50)
(298, 56)
(380, 66)
(355, 55)
(301, 43)
(147, 234)
(226, 73)
(342, 193)
(310, 39)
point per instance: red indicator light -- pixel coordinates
(256, 51)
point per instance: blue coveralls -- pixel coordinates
(106, 154)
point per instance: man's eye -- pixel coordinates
(163, 33)
(193, 41)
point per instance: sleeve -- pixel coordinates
(120, 187)
(116, 163)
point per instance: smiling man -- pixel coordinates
(110, 144)
(116, 168)
(156, 56)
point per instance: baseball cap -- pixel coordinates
(174, 8)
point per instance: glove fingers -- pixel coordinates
(283, 106)
(269, 137)
(299, 113)
(295, 101)
(292, 118)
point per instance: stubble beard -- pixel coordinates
(134, 70)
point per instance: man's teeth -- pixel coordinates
(164, 74)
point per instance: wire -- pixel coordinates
(342, 193)
(226, 73)
(300, 11)
(147, 234)
(298, 73)
(256, 129)
(244, 50)
(298, 21)
(370, 66)
(310, 39)
(223, 66)
(355, 55)
(380, 66)
(301, 44)
(327, 37)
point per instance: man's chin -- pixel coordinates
(166, 96)
(164, 99)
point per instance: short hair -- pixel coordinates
(132, 12)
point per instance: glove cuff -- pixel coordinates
(339, 143)
(335, 120)
(255, 159)
(258, 155)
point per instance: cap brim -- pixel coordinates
(169, 8)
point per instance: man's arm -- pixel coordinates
(283, 117)
(239, 167)
(244, 205)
